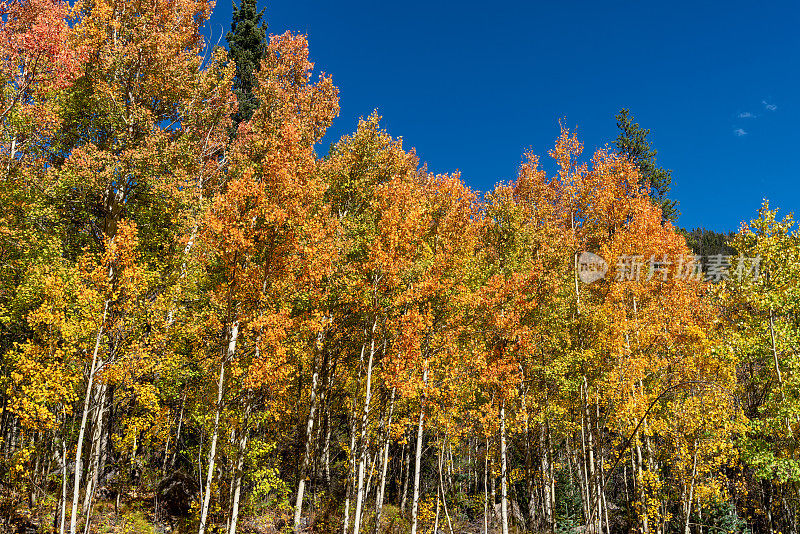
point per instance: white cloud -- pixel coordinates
(747, 115)
(768, 106)
(739, 132)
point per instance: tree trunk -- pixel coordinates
(370, 470)
(600, 477)
(231, 350)
(93, 476)
(777, 363)
(450, 463)
(385, 465)
(486, 489)
(642, 496)
(442, 491)
(326, 450)
(503, 471)
(405, 469)
(438, 505)
(363, 441)
(530, 486)
(326, 419)
(237, 479)
(418, 455)
(350, 483)
(178, 431)
(298, 507)
(688, 504)
(585, 496)
(593, 508)
(76, 485)
(546, 472)
(63, 487)
(493, 482)
(352, 452)
(469, 465)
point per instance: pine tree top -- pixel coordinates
(632, 142)
(247, 42)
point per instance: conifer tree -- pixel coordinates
(632, 142)
(247, 42)
(704, 242)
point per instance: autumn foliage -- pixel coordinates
(220, 329)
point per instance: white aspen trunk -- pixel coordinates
(639, 473)
(493, 481)
(469, 464)
(88, 522)
(627, 483)
(486, 489)
(237, 480)
(586, 496)
(594, 507)
(652, 467)
(601, 481)
(104, 436)
(350, 487)
(76, 486)
(298, 507)
(63, 487)
(385, 464)
(5, 433)
(231, 350)
(688, 506)
(603, 502)
(326, 450)
(178, 432)
(450, 464)
(775, 350)
(700, 519)
(371, 470)
(438, 505)
(529, 478)
(37, 467)
(234, 442)
(503, 471)
(93, 476)
(777, 363)
(444, 496)
(546, 483)
(418, 456)
(594, 498)
(346, 526)
(363, 447)
(166, 455)
(571, 467)
(326, 444)
(475, 467)
(405, 469)
(551, 477)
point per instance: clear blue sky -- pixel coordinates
(471, 85)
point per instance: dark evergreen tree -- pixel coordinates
(632, 142)
(247, 44)
(707, 243)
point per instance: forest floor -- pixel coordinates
(138, 516)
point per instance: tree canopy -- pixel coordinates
(205, 332)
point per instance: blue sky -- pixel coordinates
(471, 85)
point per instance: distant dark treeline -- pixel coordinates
(708, 242)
